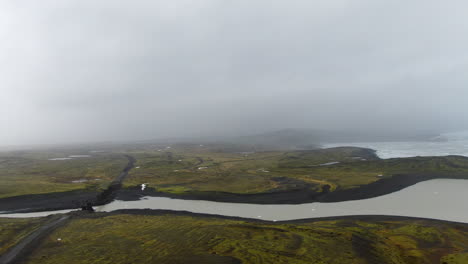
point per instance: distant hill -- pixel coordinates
(292, 139)
(310, 139)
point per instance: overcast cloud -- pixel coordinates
(80, 70)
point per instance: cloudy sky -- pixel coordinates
(73, 71)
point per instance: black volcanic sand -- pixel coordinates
(297, 196)
(76, 199)
(65, 200)
(46, 202)
(302, 194)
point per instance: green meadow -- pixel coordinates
(190, 168)
(186, 169)
(32, 172)
(174, 238)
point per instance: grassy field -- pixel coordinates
(185, 169)
(13, 230)
(172, 238)
(33, 173)
(194, 168)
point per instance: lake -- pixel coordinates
(454, 144)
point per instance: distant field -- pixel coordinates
(173, 238)
(193, 168)
(200, 168)
(189, 169)
(208, 169)
(33, 173)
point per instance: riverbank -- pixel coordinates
(274, 178)
(365, 218)
(294, 177)
(70, 200)
(47, 202)
(65, 200)
(427, 199)
(298, 196)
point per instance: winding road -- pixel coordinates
(28, 243)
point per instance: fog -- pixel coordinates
(76, 71)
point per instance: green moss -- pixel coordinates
(33, 173)
(174, 189)
(171, 238)
(457, 258)
(189, 168)
(12, 230)
(206, 170)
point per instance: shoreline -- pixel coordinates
(46, 202)
(369, 218)
(65, 200)
(300, 196)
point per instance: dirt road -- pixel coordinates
(28, 243)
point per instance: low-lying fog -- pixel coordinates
(86, 71)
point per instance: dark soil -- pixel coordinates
(298, 193)
(46, 202)
(302, 194)
(64, 200)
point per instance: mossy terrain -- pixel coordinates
(182, 169)
(13, 230)
(211, 171)
(188, 238)
(32, 172)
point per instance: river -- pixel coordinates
(442, 199)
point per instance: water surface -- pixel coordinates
(442, 199)
(387, 150)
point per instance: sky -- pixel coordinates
(83, 70)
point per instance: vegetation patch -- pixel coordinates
(189, 169)
(13, 230)
(176, 238)
(23, 173)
